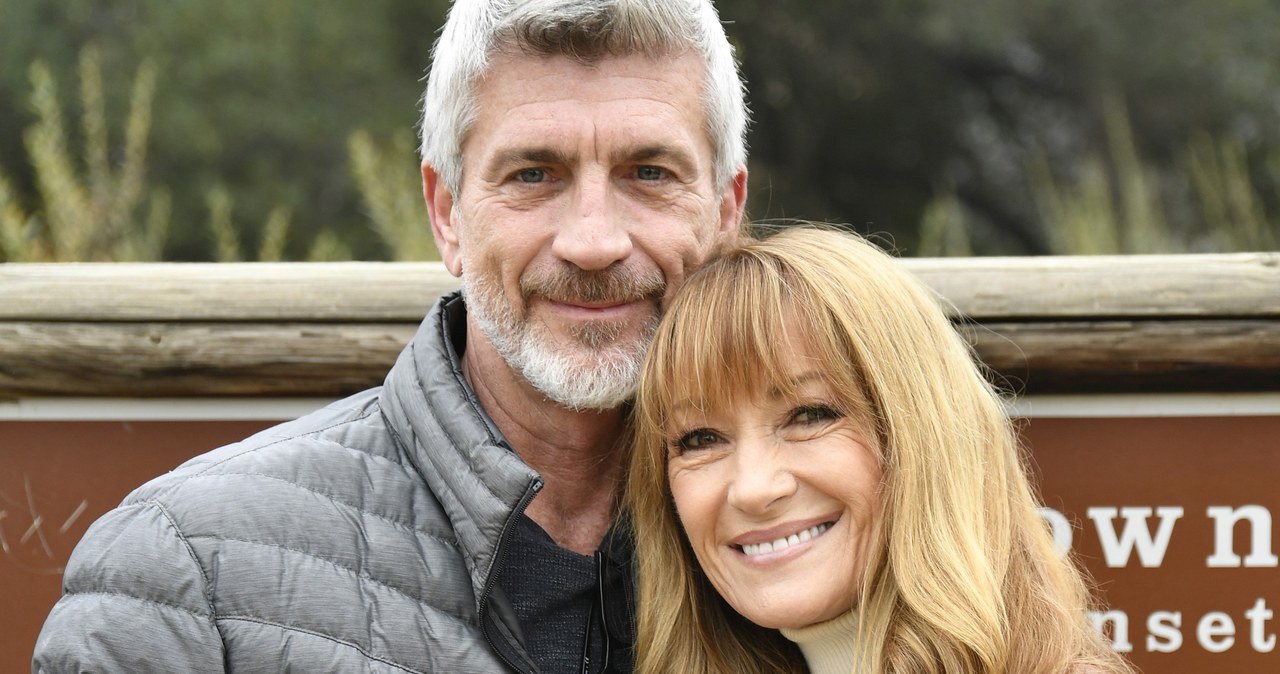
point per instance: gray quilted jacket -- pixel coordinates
(364, 537)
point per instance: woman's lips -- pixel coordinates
(784, 542)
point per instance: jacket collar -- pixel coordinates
(451, 442)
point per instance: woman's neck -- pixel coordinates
(828, 647)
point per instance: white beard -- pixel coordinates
(599, 368)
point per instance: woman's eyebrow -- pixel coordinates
(796, 382)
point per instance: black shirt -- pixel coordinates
(570, 625)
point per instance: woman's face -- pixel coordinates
(779, 499)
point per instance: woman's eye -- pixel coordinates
(810, 414)
(693, 440)
(650, 173)
(532, 175)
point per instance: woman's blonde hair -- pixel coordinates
(964, 577)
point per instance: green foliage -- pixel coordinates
(391, 187)
(275, 235)
(1224, 186)
(1081, 217)
(17, 229)
(1114, 206)
(89, 212)
(863, 108)
(258, 97)
(264, 96)
(944, 228)
(227, 245)
(864, 113)
(327, 247)
(226, 240)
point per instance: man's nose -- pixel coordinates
(593, 234)
(761, 479)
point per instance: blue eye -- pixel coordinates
(650, 173)
(532, 175)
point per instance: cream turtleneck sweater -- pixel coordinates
(828, 647)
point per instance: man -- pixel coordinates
(579, 159)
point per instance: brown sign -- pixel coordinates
(56, 478)
(1173, 516)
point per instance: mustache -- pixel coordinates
(612, 284)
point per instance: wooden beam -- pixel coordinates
(1245, 284)
(187, 359)
(1124, 286)
(1124, 356)
(1191, 323)
(319, 292)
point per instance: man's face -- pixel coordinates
(587, 195)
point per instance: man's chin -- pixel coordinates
(584, 378)
(620, 330)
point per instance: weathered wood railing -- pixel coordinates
(1045, 324)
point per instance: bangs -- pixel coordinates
(733, 335)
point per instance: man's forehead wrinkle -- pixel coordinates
(595, 138)
(548, 111)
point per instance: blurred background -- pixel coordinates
(284, 130)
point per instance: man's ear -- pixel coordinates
(444, 225)
(733, 205)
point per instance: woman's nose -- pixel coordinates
(760, 480)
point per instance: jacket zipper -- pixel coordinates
(500, 563)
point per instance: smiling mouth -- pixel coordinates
(752, 550)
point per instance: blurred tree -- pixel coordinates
(897, 116)
(89, 205)
(264, 102)
(867, 109)
(256, 97)
(392, 189)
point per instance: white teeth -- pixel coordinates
(783, 543)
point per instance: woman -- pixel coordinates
(824, 480)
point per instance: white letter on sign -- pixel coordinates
(1258, 617)
(1118, 550)
(1119, 622)
(1165, 629)
(1211, 627)
(1224, 525)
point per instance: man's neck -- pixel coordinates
(578, 454)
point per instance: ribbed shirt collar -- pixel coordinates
(828, 647)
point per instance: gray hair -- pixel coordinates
(587, 31)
